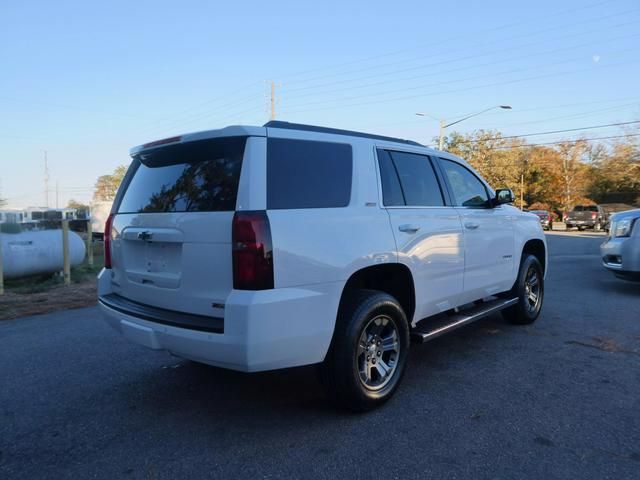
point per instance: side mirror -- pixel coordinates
(503, 195)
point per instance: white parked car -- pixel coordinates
(259, 248)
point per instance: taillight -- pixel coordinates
(593, 215)
(107, 241)
(252, 251)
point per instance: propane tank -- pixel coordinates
(32, 253)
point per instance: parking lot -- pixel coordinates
(559, 399)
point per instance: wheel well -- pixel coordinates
(394, 279)
(536, 248)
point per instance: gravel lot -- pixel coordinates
(559, 399)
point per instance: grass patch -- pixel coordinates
(42, 283)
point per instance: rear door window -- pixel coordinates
(308, 174)
(418, 180)
(200, 176)
(392, 195)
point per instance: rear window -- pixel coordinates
(586, 208)
(198, 176)
(308, 174)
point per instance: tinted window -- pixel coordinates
(391, 190)
(586, 208)
(418, 180)
(468, 190)
(307, 174)
(198, 176)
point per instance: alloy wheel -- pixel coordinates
(378, 352)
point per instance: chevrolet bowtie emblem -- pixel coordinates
(145, 235)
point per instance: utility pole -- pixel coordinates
(46, 180)
(522, 192)
(272, 114)
(57, 192)
(441, 145)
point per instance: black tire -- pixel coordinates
(525, 312)
(346, 366)
(580, 229)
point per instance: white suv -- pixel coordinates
(259, 248)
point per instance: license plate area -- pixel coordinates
(157, 264)
(162, 257)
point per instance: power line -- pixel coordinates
(582, 114)
(560, 142)
(619, 124)
(233, 104)
(473, 56)
(431, 44)
(442, 92)
(214, 113)
(209, 114)
(474, 77)
(489, 75)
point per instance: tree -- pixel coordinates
(502, 162)
(573, 174)
(107, 185)
(617, 175)
(77, 205)
(560, 176)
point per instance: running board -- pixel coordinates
(431, 328)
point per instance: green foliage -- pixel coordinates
(41, 283)
(77, 205)
(107, 185)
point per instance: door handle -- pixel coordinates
(471, 225)
(409, 228)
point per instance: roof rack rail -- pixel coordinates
(335, 131)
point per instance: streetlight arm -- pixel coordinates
(469, 116)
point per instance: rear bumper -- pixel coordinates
(580, 223)
(263, 330)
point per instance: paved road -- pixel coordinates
(560, 399)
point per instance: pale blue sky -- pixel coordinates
(88, 80)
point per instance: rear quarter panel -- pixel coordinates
(313, 246)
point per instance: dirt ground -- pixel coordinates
(59, 297)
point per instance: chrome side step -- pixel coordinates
(431, 328)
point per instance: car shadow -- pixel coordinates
(620, 286)
(201, 393)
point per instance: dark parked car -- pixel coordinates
(588, 216)
(545, 219)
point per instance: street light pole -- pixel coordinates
(444, 125)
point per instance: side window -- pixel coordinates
(308, 174)
(391, 191)
(418, 180)
(468, 190)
